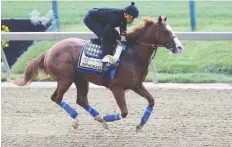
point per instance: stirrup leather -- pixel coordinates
(113, 59)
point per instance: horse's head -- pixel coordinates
(162, 35)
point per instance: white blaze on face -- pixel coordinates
(179, 45)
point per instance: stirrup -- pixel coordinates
(107, 66)
(113, 59)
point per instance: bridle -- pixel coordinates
(155, 47)
(169, 45)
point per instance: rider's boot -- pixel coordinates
(111, 61)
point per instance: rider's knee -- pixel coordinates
(87, 22)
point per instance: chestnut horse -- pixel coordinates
(60, 62)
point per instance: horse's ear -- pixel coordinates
(165, 18)
(160, 19)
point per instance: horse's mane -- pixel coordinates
(131, 36)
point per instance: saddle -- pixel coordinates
(92, 59)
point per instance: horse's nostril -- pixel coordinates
(179, 47)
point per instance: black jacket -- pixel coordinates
(109, 18)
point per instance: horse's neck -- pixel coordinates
(142, 53)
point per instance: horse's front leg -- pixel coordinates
(119, 95)
(142, 91)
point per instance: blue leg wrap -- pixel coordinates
(68, 109)
(91, 111)
(146, 115)
(114, 117)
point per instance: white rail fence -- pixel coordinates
(87, 35)
(39, 36)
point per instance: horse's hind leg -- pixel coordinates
(142, 91)
(82, 86)
(57, 97)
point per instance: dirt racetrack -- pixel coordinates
(182, 117)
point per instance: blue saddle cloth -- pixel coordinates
(90, 60)
(93, 48)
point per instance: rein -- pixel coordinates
(154, 46)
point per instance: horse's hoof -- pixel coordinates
(105, 125)
(138, 128)
(75, 124)
(114, 65)
(100, 119)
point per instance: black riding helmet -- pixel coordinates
(132, 10)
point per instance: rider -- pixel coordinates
(103, 21)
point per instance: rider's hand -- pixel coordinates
(123, 38)
(124, 33)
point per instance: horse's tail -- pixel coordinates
(32, 70)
